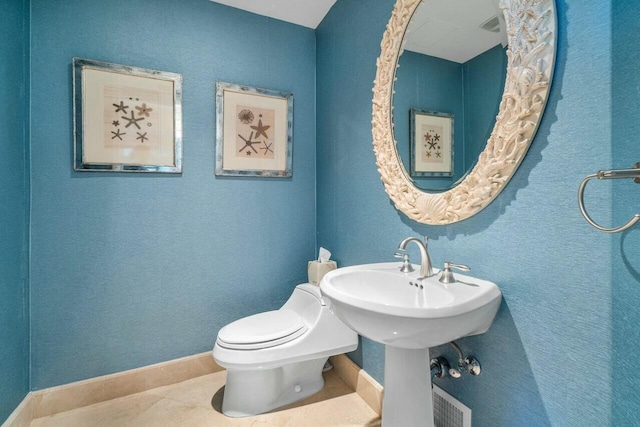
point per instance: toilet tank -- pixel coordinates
(307, 301)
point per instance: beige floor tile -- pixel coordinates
(117, 412)
(197, 402)
(100, 389)
(198, 391)
(346, 410)
(168, 413)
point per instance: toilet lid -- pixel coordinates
(262, 330)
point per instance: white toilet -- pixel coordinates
(276, 358)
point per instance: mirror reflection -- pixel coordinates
(449, 82)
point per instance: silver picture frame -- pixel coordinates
(254, 132)
(126, 119)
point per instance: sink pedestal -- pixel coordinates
(408, 399)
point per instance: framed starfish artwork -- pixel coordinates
(254, 132)
(431, 143)
(126, 119)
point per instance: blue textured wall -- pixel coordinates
(546, 358)
(484, 78)
(135, 269)
(131, 270)
(626, 203)
(14, 207)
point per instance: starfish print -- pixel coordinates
(143, 110)
(266, 147)
(260, 129)
(428, 154)
(432, 144)
(132, 120)
(438, 154)
(121, 107)
(117, 134)
(115, 123)
(248, 143)
(437, 137)
(427, 137)
(142, 137)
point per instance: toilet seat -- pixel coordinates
(262, 330)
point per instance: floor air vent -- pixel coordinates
(449, 411)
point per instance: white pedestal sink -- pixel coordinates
(409, 316)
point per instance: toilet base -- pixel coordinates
(253, 392)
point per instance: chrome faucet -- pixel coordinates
(425, 265)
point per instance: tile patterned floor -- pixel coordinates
(197, 402)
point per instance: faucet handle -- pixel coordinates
(406, 262)
(447, 274)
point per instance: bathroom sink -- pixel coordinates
(385, 305)
(408, 315)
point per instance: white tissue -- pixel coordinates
(323, 255)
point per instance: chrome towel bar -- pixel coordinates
(611, 174)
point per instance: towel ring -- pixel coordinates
(611, 174)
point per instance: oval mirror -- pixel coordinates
(459, 92)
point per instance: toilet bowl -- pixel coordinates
(276, 358)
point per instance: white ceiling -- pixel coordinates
(308, 13)
(451, 29)
(448, 29)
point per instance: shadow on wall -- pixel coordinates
(626, 335)
(627, 250)
(511, 383)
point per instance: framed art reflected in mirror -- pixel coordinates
(432, 143)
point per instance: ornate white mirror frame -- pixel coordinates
(531, 30)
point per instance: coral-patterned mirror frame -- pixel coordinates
(531, 30)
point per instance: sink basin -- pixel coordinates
(383, 304)
(409, 316)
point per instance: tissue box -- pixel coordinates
(317, 270)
